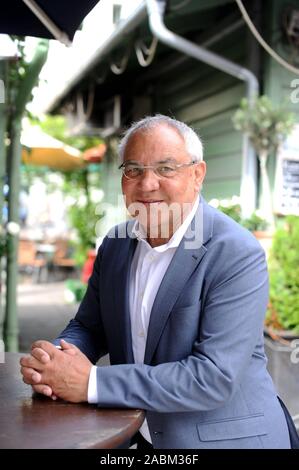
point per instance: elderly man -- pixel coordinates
(178, 300)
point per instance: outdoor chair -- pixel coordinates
(28, 260)
(62, 258)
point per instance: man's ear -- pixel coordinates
(200, 173)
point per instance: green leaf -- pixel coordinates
(266, 126)
(284, 274)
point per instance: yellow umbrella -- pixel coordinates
(40, 148)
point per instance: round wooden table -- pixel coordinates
(28, 422)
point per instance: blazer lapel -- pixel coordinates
(121, 288)
(187, 257)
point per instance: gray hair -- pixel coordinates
(193, 143)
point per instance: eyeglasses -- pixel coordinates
(163, 170)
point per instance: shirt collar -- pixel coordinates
(176, 238)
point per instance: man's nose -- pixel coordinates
(149, 181)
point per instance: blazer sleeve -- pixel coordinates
(231, 327)
(86, 329)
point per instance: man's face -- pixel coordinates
(151, 191)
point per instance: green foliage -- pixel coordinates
(78, 185)
(17, 71)
(232, 208)
(267, 126)
(284, 277)
(56, 126)
(82, 215)
(3, 244)
(83, 219)
(29, 173)
(233, 211)
(20, 79)
(78, 288)
(254, 222)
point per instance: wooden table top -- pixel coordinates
(41, 423)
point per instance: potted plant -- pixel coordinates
(255, 223)
(282, 321)
(260, 229)
(230, 207)
(266, 127)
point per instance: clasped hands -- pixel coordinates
(62, 373)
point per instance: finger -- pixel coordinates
(69, 348)
(43, 389)
(65, 345)
(40, 355)
(46, 346)
(26, 381)
(24, 359)
(36, 377)
(30, 376)
(30, 361)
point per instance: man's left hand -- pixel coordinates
(67, 371)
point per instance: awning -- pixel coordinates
(41, 149)
(54, 19)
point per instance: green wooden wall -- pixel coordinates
(206, 99)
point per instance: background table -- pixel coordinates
(41, 423)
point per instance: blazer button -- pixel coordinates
(156, 433)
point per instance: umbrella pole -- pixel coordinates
(14, 163)
(3, 121)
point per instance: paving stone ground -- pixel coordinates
(43, 311)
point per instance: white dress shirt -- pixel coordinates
(147, 271)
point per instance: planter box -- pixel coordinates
(265, 239)
(283, 367)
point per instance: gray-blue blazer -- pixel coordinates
(204, 383)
